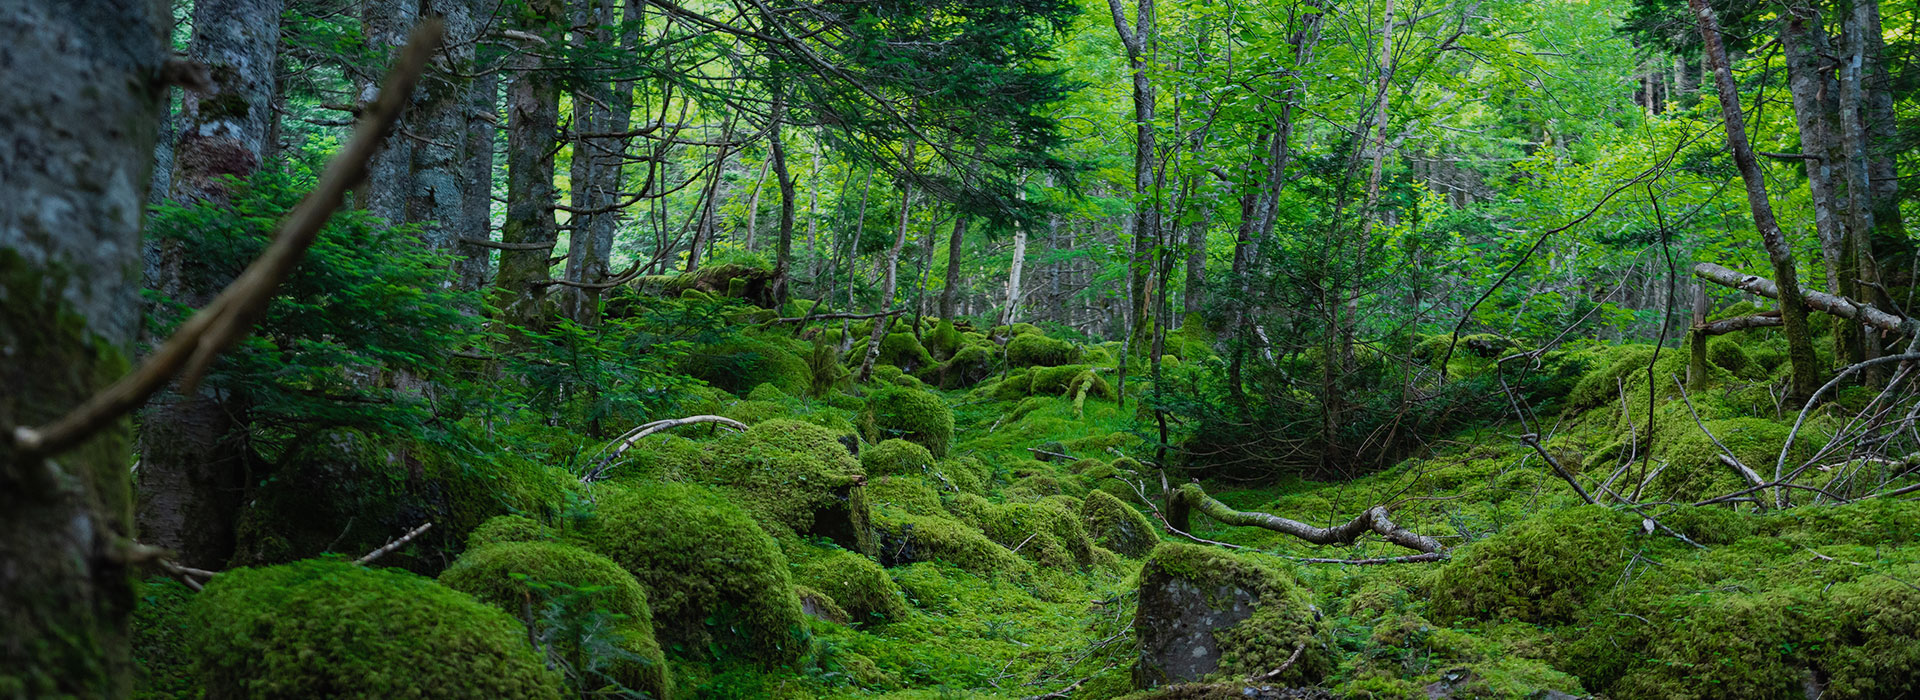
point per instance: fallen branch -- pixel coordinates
(1191, 497)
(833, 317)
(1816, 300)
(1409, 559)
(1291, 660)
(632, 436)
(1770, 319)
(211, 330)
(390, 546)
(1533, 441)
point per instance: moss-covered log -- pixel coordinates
(1189, 498)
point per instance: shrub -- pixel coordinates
(329, 628)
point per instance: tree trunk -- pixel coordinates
(1015, 270)
(1891, 247)
(595, 173)
(1792, 307)
(1803, 37)
(949, 292)
(703, 232)
(83, 111)
(1139, 41)
(533, 117)
(783, 251)
(472, 266)
(889, 279)
(1860, 209)
(437, 200)
(193, 453)
(753, 205)
(385, 24)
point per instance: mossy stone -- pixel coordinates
(909, 414)
(1544, 569)
(895, 456)
(857, 584)
(507, 528)
(1207, 612)
(1037, 350)
(1118, 526)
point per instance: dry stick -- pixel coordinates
(627, 440)
(396, 544)
(1192, 497)
(1726, 455)
(1291, 660)
(1533, 441)
(1780, 464)
(211, 330)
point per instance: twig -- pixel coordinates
(1533, 441)
(1291, 660)
(210, 331)
(626, 441)
(396, 544)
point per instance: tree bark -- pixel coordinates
(437, 200)
(1189, 498)
(950, 290)
(1139, 41)
(83, 110)
(783, 251)
(533, 117)
(1792, 305)
(890, 279)
(472, 265)
(1015, 270)
(704, 231)
(193, 453)
(595, 173)
(389, 185)
(1809, 299)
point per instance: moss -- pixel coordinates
(1602, 385)
(1694, 470)
(819, 605)
(505, 575)
(1543, 569)
(715, 579)
(906, 538)
(1039, 486)
(1874, 651)
(898, 349)
(910, 414)
(1036, 350)
(968, 366)
(1047, 533)
(767, 391)
(967, 474)
(163, 662)
(895, 456)
(328, 628)
(507, 528)
(739, 364)
(944, 340)
(1283, 618)
(796, 478)
(1118, 526)
(1728, 354)
(1709, 525)
(856, 583)
(911, 494)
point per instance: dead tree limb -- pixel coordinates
(622, 443)
(1533, 441)
(833, 317)
(390, 546)
(1769, 319)
(211, 330)
(1818, 301)
(1191, 497)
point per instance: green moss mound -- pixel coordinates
(1544, 569)
(1036, 350)
(1694, 470)
(163, 661)
(856, 583)
(715, 579)
(506, 575)
(908, 414)
(1282, 620)
(1602, 385)
(907, 493)
(895, 456)
(740, 364)
(944, 340)
(796, 478)
(905, 538)
(898, 349)
(329, 628)
(1048, 533)
(507, 528)
(1118, 526)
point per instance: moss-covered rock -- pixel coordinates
(741, 363)
(1118, 526)
(508, 528)
(164, 664)
(513, 575)
(796, 478)
(969, 365)
(1048, 533)
(1036, 350)
(900, 350)
(715, 579)
(1206, 612)
(905, 538)
(908, 414)
(895, 456)
(330, 628)
(1544, 569)
(944, 340)
(856, 583)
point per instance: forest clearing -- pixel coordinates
(1021, 349)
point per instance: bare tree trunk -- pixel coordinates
(710, 201)
(1860, 202)
(1139, 42)
(533, 117)
(595, 173)
(783, 252)
(1015, 270)
(753, 205)
(438, 198)
(385, 24)
(890, 278)
(949, 292)
(83, 111)
(1892, 248)
(1803, 36)
(193, 448)
(1792, 306)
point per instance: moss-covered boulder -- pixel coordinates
(1204, 611)
(741, 363)
(900, 350)
(1036, 350)
(796, 478)
(895, 456)
(514, 575)
(331, 628)
(714, 578)
(1694, 470)
(1118, 526)
(944, 340)
(911, 494)
(908, 414)
(507, 528)
(857, 584)
(1544, 569)
(969, 365)
(1048, 532)
(905, 538)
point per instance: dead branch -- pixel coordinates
(1291, 660)
(1191, 497)
(833, 317)
(212, 329)
(626, 441)
(1376, 561)
(390, 546)
(1770, 319)
(1533, 441)
(1816, 300)
(1779, 465)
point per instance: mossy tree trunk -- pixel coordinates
(783, 250)
(1793, 310)
(472, 265)
(1803, 37)
(437, 181)
(193, 450)
(533, 117)
(83, 108)
(385, 24)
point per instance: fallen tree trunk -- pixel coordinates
(1191, 497)
(1818, 301)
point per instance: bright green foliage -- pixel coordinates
(715, 579)
(163, 662)
(895, 456)
(510, 575)
(1048, 533)
(910, 414)
(856, 583)
(507, 528)
(943, 341)
(1283, 618)
(1541, 570)
(905, 537)
(1037, 350)
(1118, 526)
(329, 628)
